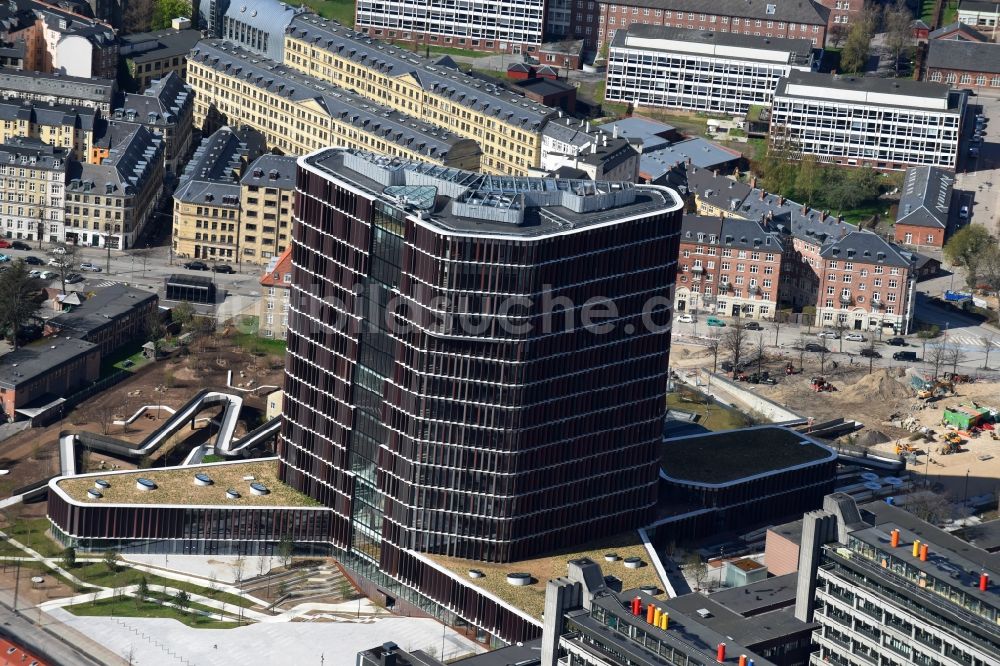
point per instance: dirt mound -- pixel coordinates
(881, 385)
(867, 437)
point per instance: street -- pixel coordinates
(975, 184)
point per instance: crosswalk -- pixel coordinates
(972, 341)
(102, 284)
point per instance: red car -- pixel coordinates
(4, 243)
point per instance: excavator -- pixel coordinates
(936, 389)
(819, 384)
(950, 443)
(905, 447)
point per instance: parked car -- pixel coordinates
(870, 353)
(4, 258)
(32, 260)
(73, 278)
(58, 250)
(896, 342)
(48, 275)
(87, 266)
(4, 244)
(813, 347)
(715, 321)
(752, 326)
(19, 245)
(963, 212)
(55, 261)
(905, 356)
(973, 152)
(686, 319)
(35, 273)
(833, 335)
(223, 268)
(196, 266)
(855, 337)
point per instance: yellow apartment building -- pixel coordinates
(67, 127)
(507, 127)
(298, 114)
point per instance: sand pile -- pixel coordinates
(883, 385)
(867, 437)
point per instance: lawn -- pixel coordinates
(97, 573)
(32, 533)
(338, 10)
(864, 212)
(117, 360)
(130, 607)
(258, 345)
(451, 50)
(927, 11)
(713, 415)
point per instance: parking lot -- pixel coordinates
(977, 183)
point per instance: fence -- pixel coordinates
(98, 386)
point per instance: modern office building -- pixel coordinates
(924, 207)
(707, 71)
(152, 55)
(864, 121)
(113, 201)
(888, 588)
(32, 187)
(298, 114)
(506, 126)
(57, 89)
(500, 26)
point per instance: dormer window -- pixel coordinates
(711, 238)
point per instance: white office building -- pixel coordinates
(721, 72)
(503, 26)
(864, 121)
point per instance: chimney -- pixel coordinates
(753, 182)
(614, 131)
(715, 172)
(720, 654)
(984, 581)
(588, 127)
(605, 139)
(916, 548)
(636, 606)
(805, 209)
(560, 113)
(895, 539)
(924, 552)
(389, 654)
(688, 161)
(762, 195)
(781, 201)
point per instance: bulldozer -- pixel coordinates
(936, 389)
(819, 384)
(905, 447)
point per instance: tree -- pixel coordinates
(111, 560)
(953, 356)
(166, 11)
(285, 549)
(760, 348)
(19, 302)
(142, 589)
(153, 325)
(896, 21)
(713, 343)
(933, 508)
(821, 353)
(841, 327)
(987, 342)
(870, 348)
(809, 180)
(182, 599)
(937, 355)
(69, 557)
(696, 567)
(182, 314)
(989, 267)
(803, 341)
(966, 248)
(102, 414)
(67, 263)
(854, 56)
(734, 342)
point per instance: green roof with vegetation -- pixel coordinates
(176, 485)
(721, 457)
(531, 598)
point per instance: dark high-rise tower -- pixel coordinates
(476, 364)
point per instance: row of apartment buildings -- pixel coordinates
(748, 253)
(526, 27)
(849, 120)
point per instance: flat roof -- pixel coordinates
(101, 309)
(541, 86)
(733, 455)
(29, 362)
(868, 90)
(176, 486)
(762, 596)
(711, 43)
(531, 598)
(472, 203)
(779, 623)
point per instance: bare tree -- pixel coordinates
(896, 21)
(697, 568)
(870, 349)
(760, 349)
(713, 348)
(935, 508)
(841, 327)
(103, 415)
(804, 340)
(67, 263)
(821, 353)
(937, 354)
(987, 342)
(734, 342)
(954, 355)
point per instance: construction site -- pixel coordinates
(939, 432)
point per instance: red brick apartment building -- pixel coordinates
(795, 19)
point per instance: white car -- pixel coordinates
(34, 274)
(963, 212)
(58, 250)
(833, 335)
(87, 266)
(48, 275)
(686, 319)
(56, 262)
(855, 337)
